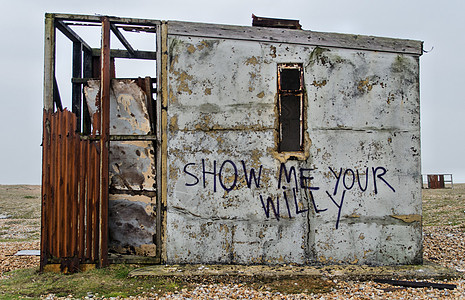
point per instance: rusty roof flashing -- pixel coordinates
(275, 23)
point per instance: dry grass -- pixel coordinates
(444, 207)
(19, 213)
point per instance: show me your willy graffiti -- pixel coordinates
(291, 181)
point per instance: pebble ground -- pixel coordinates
(443, 245)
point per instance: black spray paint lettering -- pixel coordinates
(196, 179)
(235, 176)
(380, 176)
(275, 208)
(290, 177)
(248, 179)
(338, 205)
(308, 190)
(266, 208)
(309, 196)
(283, 170)
(348, 182)
(218, 176)
(346, 179)
(349, 177)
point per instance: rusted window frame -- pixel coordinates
(294, 92)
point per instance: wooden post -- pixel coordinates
(161, 132)
(49, 61)
(49, 80)
(105, 81)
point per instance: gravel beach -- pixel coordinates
(443, 245)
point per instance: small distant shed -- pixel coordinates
(252, 145)
(438, 181)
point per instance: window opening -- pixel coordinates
(290, 104)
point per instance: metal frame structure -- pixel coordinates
(72, 207)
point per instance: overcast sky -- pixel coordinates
(439, 24)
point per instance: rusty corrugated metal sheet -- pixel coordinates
(436, 181)
(70, 194)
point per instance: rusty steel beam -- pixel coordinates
(56, 95)
(98, 19)
(150, 55)
(122, 39)
(77, 88)
(126, 137)
(70, 34)
(86, 72)
(131, 28)
(86, 79)
(105, 81)
(150, 104)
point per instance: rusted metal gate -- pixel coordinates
(71, 231)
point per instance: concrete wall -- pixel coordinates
(353, 195)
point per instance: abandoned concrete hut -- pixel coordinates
(253, 145)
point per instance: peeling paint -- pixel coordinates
(191, 49)
(252, 61)
(174, 123)
(273, 51)
(183, 85)
(366, 85)
(408, 218)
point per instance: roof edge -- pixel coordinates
(291, 36)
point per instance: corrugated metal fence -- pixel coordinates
(71, 206)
